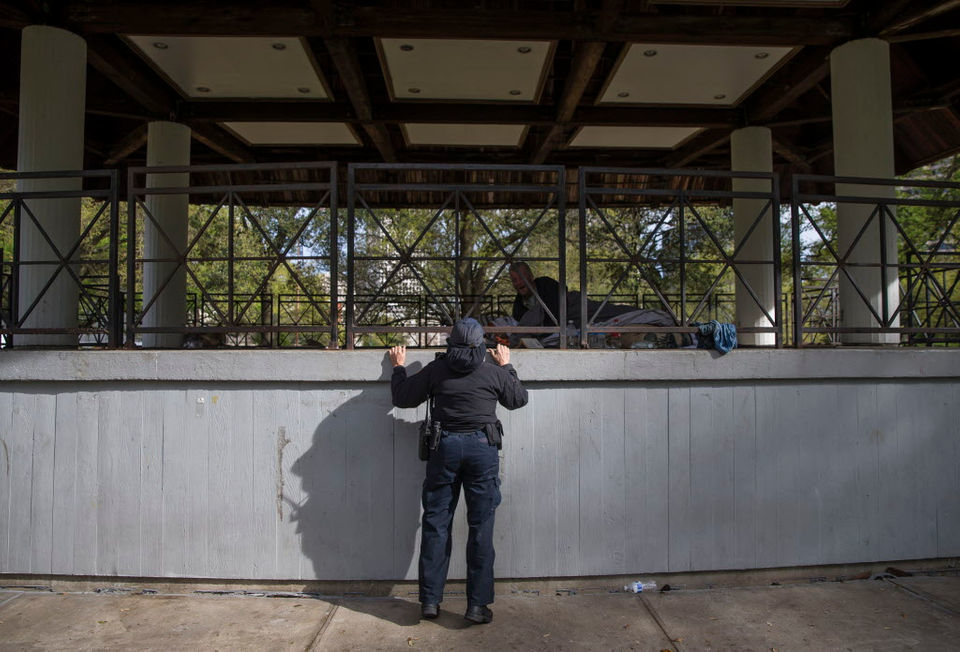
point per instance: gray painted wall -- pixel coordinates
(210, 464)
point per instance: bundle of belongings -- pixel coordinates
(529, 311)
(712, 335)
(630, 317)
(600, 314)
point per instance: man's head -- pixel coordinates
(522, 278)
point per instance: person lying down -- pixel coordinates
(631, 316)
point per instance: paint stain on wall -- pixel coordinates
(282, 441)
(6, 457)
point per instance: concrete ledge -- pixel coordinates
(533, 366)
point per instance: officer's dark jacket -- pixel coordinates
(463, 402)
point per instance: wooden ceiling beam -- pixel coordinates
(732, 30)
(586, 57)
(14, 16)
(699, 145)
(127, 145)
(294, 18)
(192, 17)
(221, 142)
(584, 63)
(795, 78)
(345, 59)
(923, 36)
(795, 158)
(880, 13)
(269, 111)
(118, 64)
(917, 12)
(455, 113)
(798, 76)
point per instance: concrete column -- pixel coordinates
(53, 79)
(863, 147)
(751, 151)
(168, 143)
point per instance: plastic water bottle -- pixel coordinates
(573, 335)
(639, 586)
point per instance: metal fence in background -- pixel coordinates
(894, 273)
(308, 193)
(671, 249)
(268, 264)
(88, 261)
(456, 254)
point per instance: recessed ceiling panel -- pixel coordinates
(453, 69)
(661, 73)
(294, 133)
(233, 66)
(634, 137)
(466, 135)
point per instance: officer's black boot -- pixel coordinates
(479, 614)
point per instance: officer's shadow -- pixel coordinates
(358, 510)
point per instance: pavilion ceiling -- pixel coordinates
(653, 83)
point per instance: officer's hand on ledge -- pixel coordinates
(501, 354)
(398, 354)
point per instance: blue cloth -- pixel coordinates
(463, 459)
(723, 337)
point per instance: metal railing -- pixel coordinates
(895, 268)
(402, 256)
(660, 239)
(670, 238)
(50, 258)
(226, 308)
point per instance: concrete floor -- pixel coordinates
(920, 612)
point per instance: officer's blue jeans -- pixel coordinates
(462, 459)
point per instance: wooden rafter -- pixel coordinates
(338, 35)
(107, 55)
(798, 76)
(701, 144)
(586, 57)
(127, 145)
(290, 17)
(221, 142)
(456, 113)
(923, 36)
(918, 12)
(584, 63)
(344, 58)
(797, 159)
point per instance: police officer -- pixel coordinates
(465, 390)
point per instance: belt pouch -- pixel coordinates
(494, 434)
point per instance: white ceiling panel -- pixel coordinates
(454, 69)
(233, 66)
(633, 137)
(294, 133)
(466, 135)
(662, 73)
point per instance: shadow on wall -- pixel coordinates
(358, 517)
